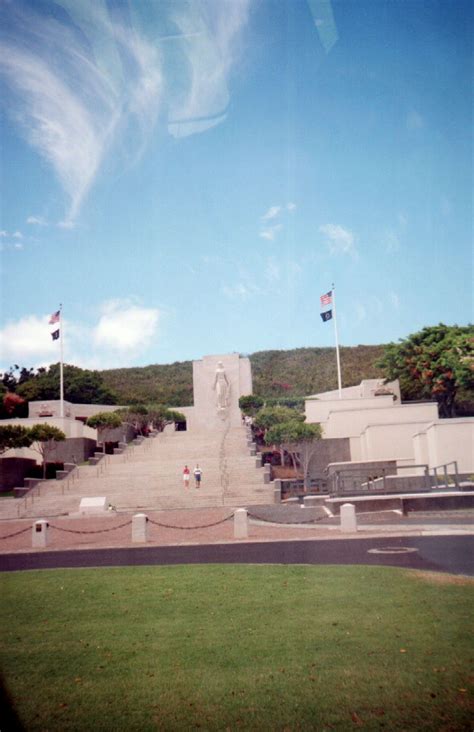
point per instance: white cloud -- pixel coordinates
(206, 48)
(125, 327)
(27, 340)
(290, 206)
(3, 234)
(36, 221)
(339, 240)
(122, 333)
(17, 235)
(270, 232)
(271, 213)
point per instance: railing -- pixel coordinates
(448, 478)
(386, 480)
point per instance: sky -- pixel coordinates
(189, 177)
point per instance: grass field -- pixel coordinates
(237, 647)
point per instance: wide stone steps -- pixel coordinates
(149, 475)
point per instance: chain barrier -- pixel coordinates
(16, 533)
(190, 528)
(285, 523)
(96, 531)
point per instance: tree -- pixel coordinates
(299, 439)
(103, 421)
(435, 363)
(162, 416)
(250, 404)
(46, 436)
(14, 405)
(13, 436)
(81, 386)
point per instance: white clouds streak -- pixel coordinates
(268, 230)
(207, 45)
(77, 81)
(339, 240)
(271, 213)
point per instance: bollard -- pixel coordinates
(40, 534)
(277, 490)
(348, 518)
(139, 527)
(258, 461)
(241, 528)
(267, 473)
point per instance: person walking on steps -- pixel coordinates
(186, 476)
(197, 476)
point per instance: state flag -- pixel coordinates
(326, 299)
(55, 317)
(55, 335)
(326, 316)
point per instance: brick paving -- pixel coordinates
(180, 527)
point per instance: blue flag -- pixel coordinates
(326, 316)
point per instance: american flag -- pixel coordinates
(55, 317)
(326, 299)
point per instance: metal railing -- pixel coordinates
(386, 480)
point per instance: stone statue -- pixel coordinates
(221, 387)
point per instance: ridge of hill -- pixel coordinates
(297, 372)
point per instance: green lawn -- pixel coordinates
(237, 647)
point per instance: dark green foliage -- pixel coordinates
(14, 436)
(435, 363)
(80, 386)
(278, 376)
(159, 384)
(311, 370)
(250, 404)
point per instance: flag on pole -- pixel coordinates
(326, 316)
(55, 335)
(55, 317)
(326, 299)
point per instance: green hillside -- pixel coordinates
(298, 372)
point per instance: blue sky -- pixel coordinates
(188, 178)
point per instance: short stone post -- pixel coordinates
(348, 518)
(267, 473)
(253, 448)
(139, 528)
(40, 534)
(277, 490)
(258, 461)
(241, 526)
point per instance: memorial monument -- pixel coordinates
(218, 382)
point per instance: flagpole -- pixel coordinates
(61, 373)
(339, 384)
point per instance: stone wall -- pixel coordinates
(12, 472)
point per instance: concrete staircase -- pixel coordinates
(149, 476)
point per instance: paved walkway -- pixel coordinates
(216, 526)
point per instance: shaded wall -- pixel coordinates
(13, 471)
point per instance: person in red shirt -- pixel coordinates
(186, 476)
